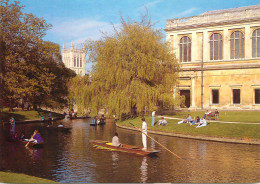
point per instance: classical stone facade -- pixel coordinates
(74, 59)
(219, 56)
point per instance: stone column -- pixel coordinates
(226, 45)
(248, 42)
(193, 105)
(205, 46)
(194, 47)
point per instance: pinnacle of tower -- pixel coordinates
(63, 46)
(71, 44)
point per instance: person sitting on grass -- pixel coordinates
(162, 122)
(183, 121)
(36, 138)
(195, 121)
(202, 123)
(189, 118)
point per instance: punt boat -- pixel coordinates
(126, 148)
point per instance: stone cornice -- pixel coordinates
(221, 67)
(213, 23)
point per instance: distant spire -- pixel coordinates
(71, 44)
(76, 46)
(63, 46)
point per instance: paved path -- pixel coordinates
(217, 121)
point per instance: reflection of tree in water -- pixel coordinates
(143, 169)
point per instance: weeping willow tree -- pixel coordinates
(79, 94)
(134, 70)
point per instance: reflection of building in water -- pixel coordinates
(143, 168)
(74, 59)
(218, 53)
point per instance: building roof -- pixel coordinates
(230, 10)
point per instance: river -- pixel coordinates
(69, 157)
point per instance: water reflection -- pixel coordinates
(143, 168)
(69, 158)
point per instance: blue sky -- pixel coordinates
(79, 20)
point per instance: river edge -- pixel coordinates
(198, 137)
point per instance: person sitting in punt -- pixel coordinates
(36, 138)
(102, 118)
(162, 122)
(22, 136)
(60, 125)
(115, 141)
(202, 123)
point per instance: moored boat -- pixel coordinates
(125, 148)
(96, 124)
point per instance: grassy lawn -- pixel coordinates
(26, 115)
(214, 129)
(7, 177)
(233, 116)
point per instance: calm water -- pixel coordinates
(69, 157)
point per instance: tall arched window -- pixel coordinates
(77, 62)
(216, 45)
(237, 45)
(185, 49)
(80, 62)
(74, 62)
(256, 43)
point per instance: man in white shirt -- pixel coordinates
(202, 123)
(144, 133)
(162, 122)
(115, 141)
(153, 117)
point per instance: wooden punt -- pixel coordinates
(95, 124)
(23, 142)
(33, 145)
(126, 148)
(59, 129)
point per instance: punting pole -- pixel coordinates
(157, 142)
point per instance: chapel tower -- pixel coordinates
(74, 59)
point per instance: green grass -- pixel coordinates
(8, 177)
(214, 129)
(233, 116)
(26, 115)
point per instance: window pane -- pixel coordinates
(257, 96)
(215, 96)
(185, 49)
(236, 96)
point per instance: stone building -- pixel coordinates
(74, 59)
(219, 57)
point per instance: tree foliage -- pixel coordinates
(134, 70)
(31, 69)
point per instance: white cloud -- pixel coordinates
(187, 12)
(79, 30)
(149, 5)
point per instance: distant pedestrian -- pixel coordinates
(153, 117)
(12, 127)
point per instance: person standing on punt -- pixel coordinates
(12, 127)
(144, 133)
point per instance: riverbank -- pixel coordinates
(8, 177)
(28, 116)
(247, 133)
